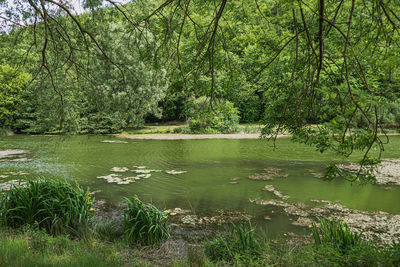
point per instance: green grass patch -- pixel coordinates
(30, 247)
(242, 243)
(144, 223)
(55, 206)
(335, 233)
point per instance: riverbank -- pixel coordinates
(171, 136)
(187, 246)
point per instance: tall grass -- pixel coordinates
(144, 223)
(242, 242)
(336, 233)
(56, 206)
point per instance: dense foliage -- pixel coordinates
(144, 223)
(55, 206)
(12, 85)
(242, 242)
(325, 71)
(222, 117)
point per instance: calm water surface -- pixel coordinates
(210, 164)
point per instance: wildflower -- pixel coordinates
(310, 226)
(8, 189)
(91, 209)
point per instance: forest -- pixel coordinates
(325, 73)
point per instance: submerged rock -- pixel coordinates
(316, 174)
(9, 184)
(114, 178)
(141, 171)
(14, 155)
(145, 176)
(174, 172)
(12, 152)
(293, 210)
(119, 169)
(192, 220)
(303, 221)
(271, 202)
(268, 174)
(18, 173)
(140, 167)
(114, 141)
(176, 211)
(271, 188)
(145, 171)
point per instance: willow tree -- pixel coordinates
(327, 66)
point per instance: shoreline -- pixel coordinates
(173, 136)
(170, 136)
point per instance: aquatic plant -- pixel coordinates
(336, 233)
(241, 242)
(55, 206)
(144, 223)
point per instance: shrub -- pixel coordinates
(144, 223)
(336, 233)
(55, 206)
(241, 242)
(222, 118)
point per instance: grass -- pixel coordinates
(29, 246)
(37, 248)
(55, 206)
(144, 223)
(241, 243)
(335, 233)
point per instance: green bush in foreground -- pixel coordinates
(241, 243)
(336, 233)
(144, 223)
(55, 206)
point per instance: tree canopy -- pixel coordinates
(326, 71)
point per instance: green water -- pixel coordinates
(210, 164)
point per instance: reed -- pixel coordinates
(336, 233)
(144, 223)
(52, 205)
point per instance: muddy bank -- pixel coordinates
(387, 172)
(379, 226)
(188, 230)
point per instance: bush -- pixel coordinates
(222, 118)
(336, 233)
(241, 242)
(55, 206)
(144, 223)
